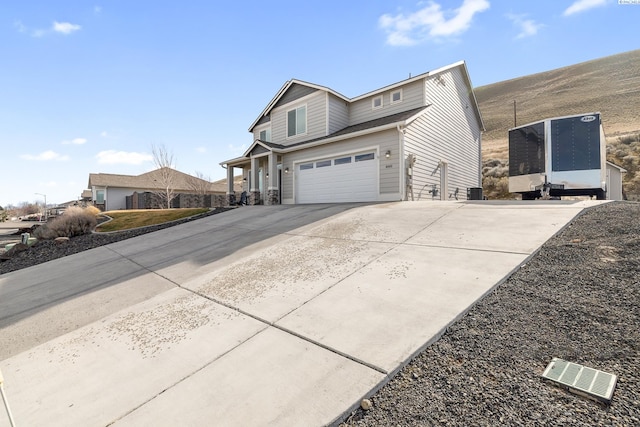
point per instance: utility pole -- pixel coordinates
(515, 118)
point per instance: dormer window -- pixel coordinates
(396, 96)
(376, 102)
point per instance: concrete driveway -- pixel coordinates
(258, 316)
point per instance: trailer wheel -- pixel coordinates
(532, 195)
(601, 195)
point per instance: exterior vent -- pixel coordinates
(587, 382)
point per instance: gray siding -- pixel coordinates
(316, 120)
(116, 197)
(389, 170)
(294, 93)
(256, 132)
(338, 114)
(412, 97)
(263, 120)
(448, 131)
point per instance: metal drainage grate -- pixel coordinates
(581, 380)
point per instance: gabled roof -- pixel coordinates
(288, 84)
(284, 89)
(258, 142)
(465, 75)
(151, 180)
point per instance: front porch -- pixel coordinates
(262, 176)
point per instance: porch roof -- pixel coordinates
(370, 126)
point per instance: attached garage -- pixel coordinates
(345, 178)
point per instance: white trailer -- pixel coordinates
(560, 156)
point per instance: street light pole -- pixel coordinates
(45, 205)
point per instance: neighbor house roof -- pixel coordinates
(151, 180)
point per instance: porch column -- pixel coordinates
(254, 191)
(273, 193)
(231, 195)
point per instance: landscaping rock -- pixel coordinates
(566, 302)
(61, 240)
(16, 249)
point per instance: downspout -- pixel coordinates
(403, 170)
(480, 158)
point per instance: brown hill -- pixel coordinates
(610, 85)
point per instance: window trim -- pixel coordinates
(306, 122)
(266, 129)
(365, 157)
(345, 160)
(373, 102)
(391, 96)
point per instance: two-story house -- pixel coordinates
(418, 139)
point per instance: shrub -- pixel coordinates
(75, 221)
(92, 210)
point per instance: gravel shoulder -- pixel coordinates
(577, 299)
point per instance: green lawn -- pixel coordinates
(123, 220)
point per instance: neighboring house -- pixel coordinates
(418, 139)
(110, 191)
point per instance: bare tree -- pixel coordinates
(166, 176)
(199, 183)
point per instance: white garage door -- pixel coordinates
(348, 178)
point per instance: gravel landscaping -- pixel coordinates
(577, 299)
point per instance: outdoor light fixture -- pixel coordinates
(267, 174)
(387, 154)
(286, 170)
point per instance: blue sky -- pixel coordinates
(88, 87)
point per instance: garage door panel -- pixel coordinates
(347, 182)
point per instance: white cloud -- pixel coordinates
(45, 156)
(430, 22)
(528, 27)
(201, 149)
(65, 27)
(582, 5)
(76, 141)
(104, 134)
(57, 27)
(97, 10)
(50, 184)
(111, 157)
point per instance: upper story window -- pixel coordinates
(265, 135)
(396, 96)
(297, 121)
(376, 102)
